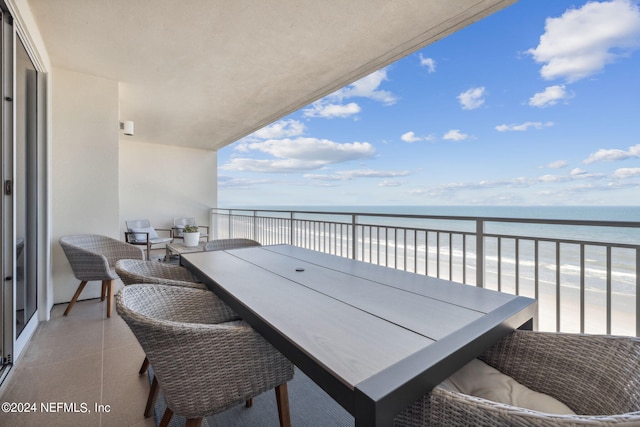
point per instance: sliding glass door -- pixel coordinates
(25, 187)
(22, 172)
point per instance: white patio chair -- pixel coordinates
(140, 232)
(179, 223)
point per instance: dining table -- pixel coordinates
(374, 338)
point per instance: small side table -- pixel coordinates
(177, 248)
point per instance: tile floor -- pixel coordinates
(83, 358)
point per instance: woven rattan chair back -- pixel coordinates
(598, 377)
(93, 257)
(222, 244)
(205, 359)
(140, 271)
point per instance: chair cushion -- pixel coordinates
(160, 240)
(143, 237)
(481, 380)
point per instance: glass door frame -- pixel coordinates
(7, 248)
(11, 345)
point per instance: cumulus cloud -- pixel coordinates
(270, 165)
(390, 183)
(551, 96)
(626, 173)
(455, 135)
(410, 137)
(578, 171)
(472, 99)
(240, 183)
(300, 154)
(558, 182)
(523, 126)
(453, 187)
(314, 149)
(328, 111)
(429, 63)
(583, 41)
(357, 173)
(334, 105)
(281, 129)
(612, 155)
(558, 164)
(367, 87)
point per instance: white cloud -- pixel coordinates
(429, 63)
(410, 137)
(582, 41)
(357, 173)
(626, 173)
(550, 96)
(472, 99)
(390, 183)
(558, 164)
(300, 154)
(553, 178)
(371, 173)
(455, 135)
(281, 129)
(558, 182)
(240, 183)
(314, 149)
(523, 126)
(578, 171)
(327, 111)
(575, 174)
(612, 155)
(270, 165)
(367, 87)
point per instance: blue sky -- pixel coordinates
(537, 104)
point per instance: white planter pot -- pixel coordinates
(191, 239)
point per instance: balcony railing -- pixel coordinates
(584, 274)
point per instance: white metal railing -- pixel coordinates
(584, 274)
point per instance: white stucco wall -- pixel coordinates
(98, 178)
(84, 171)
(160, 182)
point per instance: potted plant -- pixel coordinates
(191, 235)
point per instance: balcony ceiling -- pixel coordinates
(205, 73)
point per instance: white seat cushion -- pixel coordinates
(481, 380)
(143, 237)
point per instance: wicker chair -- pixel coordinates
(205, 359)
(222, 244)
(133, 271)
(93, 257)
(597, 376)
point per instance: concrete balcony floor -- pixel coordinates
(82, 360)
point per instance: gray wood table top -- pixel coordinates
(374, 338)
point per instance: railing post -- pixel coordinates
(255, 225)
(354, 249)
(213, 223)
(230, 227)
(292, 216)
(480, 253)
(637, 292)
